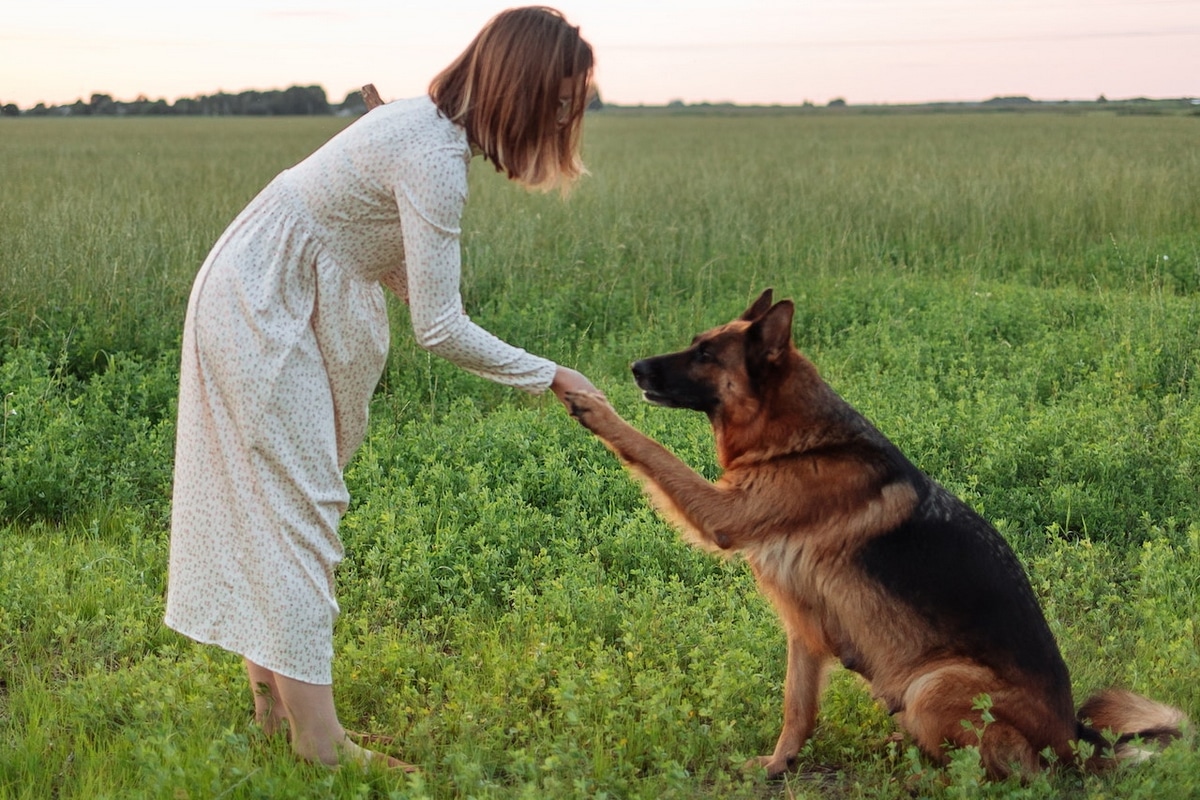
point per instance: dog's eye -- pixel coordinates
(704, 356)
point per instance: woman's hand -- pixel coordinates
(568, 380)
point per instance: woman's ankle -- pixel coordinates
(271, 723)
(324, 749)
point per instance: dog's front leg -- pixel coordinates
(712, 516)
(632, 446)
(801, 698)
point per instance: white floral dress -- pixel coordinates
(284, 342)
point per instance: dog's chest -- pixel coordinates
(797, 566)
(800, 577)
(794, 572)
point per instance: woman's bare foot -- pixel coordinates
(351, 752)
(311, 722)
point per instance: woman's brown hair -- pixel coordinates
(504, 90)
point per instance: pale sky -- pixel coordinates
(648, 51)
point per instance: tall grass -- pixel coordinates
(1014, 299)
(105, 222)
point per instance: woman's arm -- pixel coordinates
(430, 204)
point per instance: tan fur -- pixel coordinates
(811, 495)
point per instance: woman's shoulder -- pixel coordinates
(405, 143)
(417, 121)
(422, 150)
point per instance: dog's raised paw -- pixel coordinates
(583, 404)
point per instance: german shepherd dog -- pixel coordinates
(865, 558)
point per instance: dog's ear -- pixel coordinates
(758, 307)
(772, 332)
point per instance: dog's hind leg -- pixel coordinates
(940, 710)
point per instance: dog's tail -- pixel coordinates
(1123, 726)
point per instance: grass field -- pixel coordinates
(1013, 299)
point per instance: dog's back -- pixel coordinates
(955, 572)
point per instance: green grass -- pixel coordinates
(1014, 299)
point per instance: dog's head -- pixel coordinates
(731, 366)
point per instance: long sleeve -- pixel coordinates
(430, 212)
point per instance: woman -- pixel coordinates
(285, 340)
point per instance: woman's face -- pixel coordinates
(566, 99)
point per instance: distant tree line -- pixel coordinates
(296, 100)
(311, 101)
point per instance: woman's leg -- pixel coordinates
(316, 733)
(268, 706)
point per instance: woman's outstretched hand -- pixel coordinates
(568, 380)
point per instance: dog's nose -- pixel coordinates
(640, 370)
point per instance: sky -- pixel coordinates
(648, 51)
